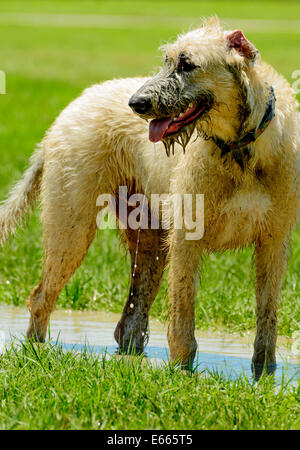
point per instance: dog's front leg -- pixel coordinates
(147, 269)
(184, 261)
(271, 259)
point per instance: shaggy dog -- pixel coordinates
(216, 99)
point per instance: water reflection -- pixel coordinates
(224, 353)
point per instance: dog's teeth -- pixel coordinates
(175, 118)
(181, 114)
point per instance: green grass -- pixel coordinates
(47, 388)
(269, 9)
(46, 67)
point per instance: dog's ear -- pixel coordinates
(237, 40)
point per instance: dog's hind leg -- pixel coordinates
(147, 268)
(69, 228)
(271, 260)
(64, 254)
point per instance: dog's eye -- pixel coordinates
(186, 65)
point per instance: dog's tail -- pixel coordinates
(22, 197)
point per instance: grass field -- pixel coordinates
(48, 62)
(46, 67)
(50, 389)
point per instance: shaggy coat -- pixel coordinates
(98, 143)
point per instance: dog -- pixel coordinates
(236, 121)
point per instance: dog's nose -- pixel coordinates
(140, 104)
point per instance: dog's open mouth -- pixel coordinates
(161, 128)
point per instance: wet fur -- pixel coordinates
(97, 143)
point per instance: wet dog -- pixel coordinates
(238, 123)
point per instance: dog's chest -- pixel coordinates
(239, 220)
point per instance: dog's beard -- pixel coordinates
(182, 138)
(203, 129)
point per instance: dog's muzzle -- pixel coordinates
(140, 103)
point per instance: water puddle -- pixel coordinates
(226, 353)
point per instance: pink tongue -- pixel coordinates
(157, 128)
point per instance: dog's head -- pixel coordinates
(203, 84)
